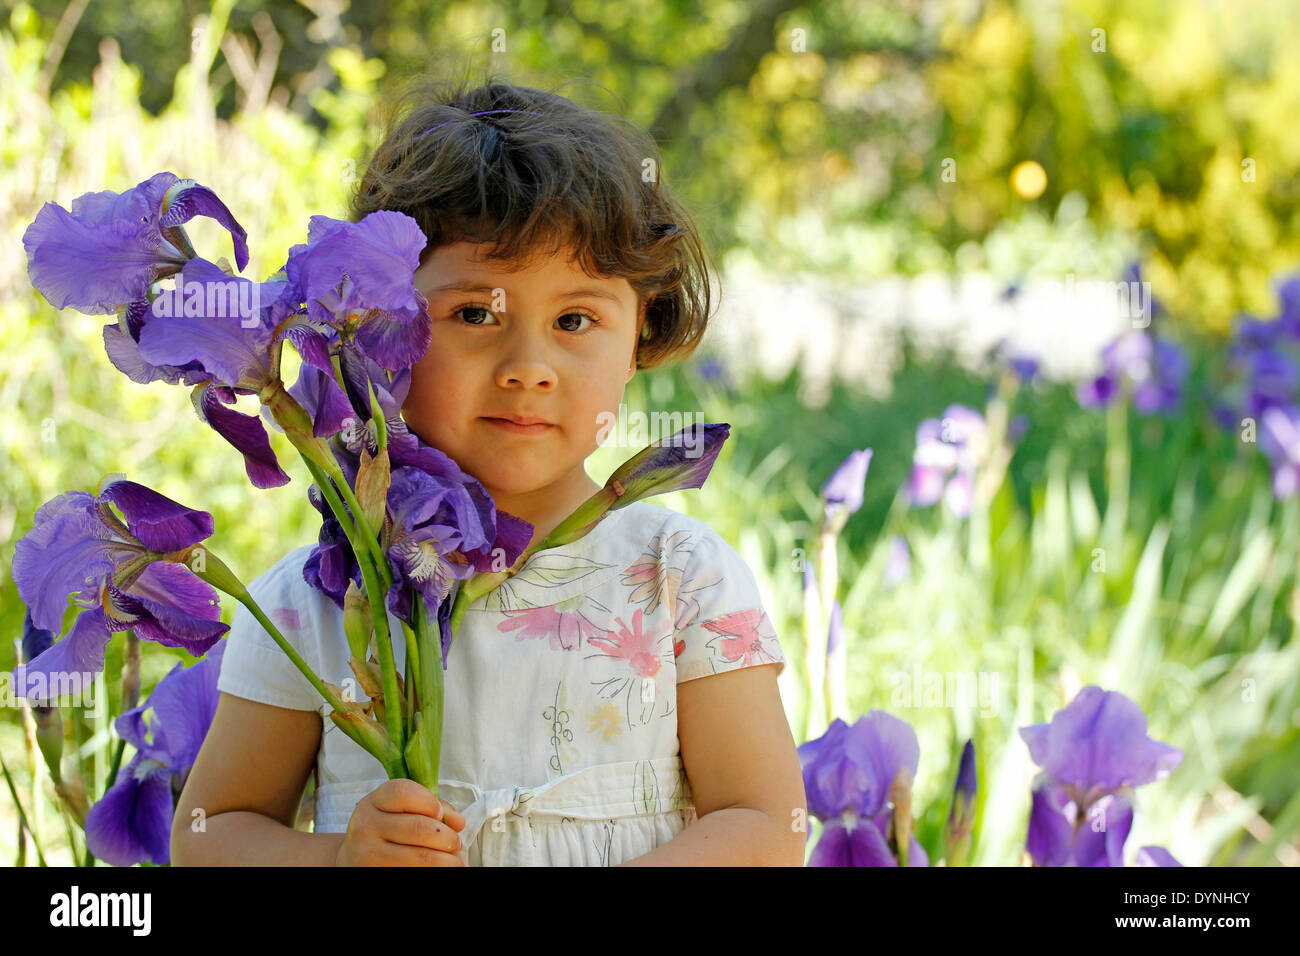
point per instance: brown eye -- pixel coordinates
(471, 309)
(579, 315)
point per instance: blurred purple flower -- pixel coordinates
(842, 493)
(1288, 320)
(1134, 274)
(1279, 439)
(1092, 754)
(848, 773)
(1155, 856)
(961, 814)
(835, 634)
(132, 822)
(898, 567)
(1156, 371)
(1002, 355)
(711, 369)
(948, 452)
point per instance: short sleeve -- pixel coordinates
(721, 624)
(254, 667)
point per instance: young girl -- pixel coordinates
(613, 703)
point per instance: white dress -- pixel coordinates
(560, 717)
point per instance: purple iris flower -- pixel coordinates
(220, 332)
(842, 493)
(1156, 856)
(132, 822)
(677, 463)
(1156, 371)
(1274, 379)
(847, 775)
(332, 563)
(948, 451)
(442, 531)
(1163, 392)
(1288, 320)
(109, 250)
(1280, 440)
(117, 572)
(711, 370)
(1025, 367)
(961, 814)
(1250, 334)
(1092, 755)
(358, 279)
(1060, 835)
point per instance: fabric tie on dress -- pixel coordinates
(605, 791)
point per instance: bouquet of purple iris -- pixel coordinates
(403, 526)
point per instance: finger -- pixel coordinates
(417, 830)
(405, 796)
(395, 854)
(453, 819)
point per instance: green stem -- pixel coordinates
(367, 534)
(246, 599)
(375, 595)
(117, 762)
(333, 500)
(414, 690)
(1117, 473)
(431, 687)
(22, 817)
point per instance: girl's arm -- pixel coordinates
(241, 800)
(744, 773)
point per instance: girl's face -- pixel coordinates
(539, 339)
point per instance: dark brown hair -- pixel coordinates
(525, 184)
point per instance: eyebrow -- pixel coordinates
(574, 294)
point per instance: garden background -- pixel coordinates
(836, 147)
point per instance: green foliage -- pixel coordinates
(830, 158)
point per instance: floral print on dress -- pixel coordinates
(558, 716)
(286, 618)
(629, 664)
(564, 625)
(745, 638)
(606, 721)
(656, 575)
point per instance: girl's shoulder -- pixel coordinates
(642, 527)
(639, 541)
(284, 593)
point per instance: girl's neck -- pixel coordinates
(544, 508)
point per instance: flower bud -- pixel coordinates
(900, 795)
(357, 623)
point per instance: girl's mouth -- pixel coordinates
(519, 429)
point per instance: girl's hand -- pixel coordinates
(402, 823)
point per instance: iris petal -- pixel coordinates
(69, 664)
(69, 550)
(189, 200)
(245, 432)
(160, 523)
(132, 822)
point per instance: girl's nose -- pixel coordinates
(524, 362)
